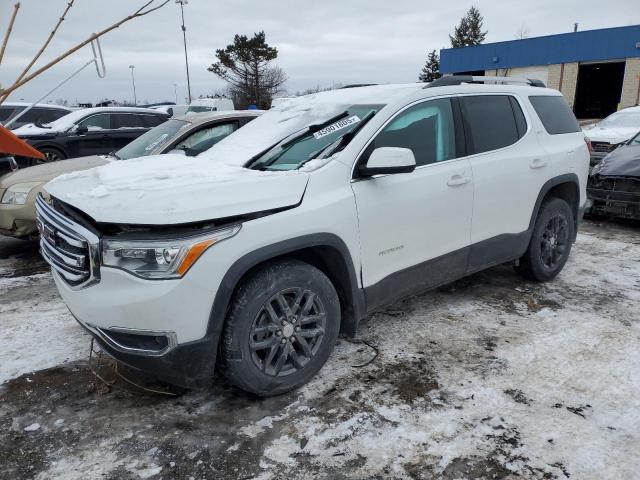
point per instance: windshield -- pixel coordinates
(147, 143)
(622, 120)
(314, 141)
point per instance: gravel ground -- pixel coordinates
(491, 377)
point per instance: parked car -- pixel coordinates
(311, 217)
(612, 132)
(40, 113)
(210, 105)
(90, 131)
(189, 135)
(173, 110)
(614, 184)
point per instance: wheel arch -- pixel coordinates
(325, 251)
(566, 187)
(52, 146)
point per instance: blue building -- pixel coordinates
(598, 71)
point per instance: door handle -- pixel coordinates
(457, 179)
(537, 163)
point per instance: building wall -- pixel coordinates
(569, 82)
(631, 83)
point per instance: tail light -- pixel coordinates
(589, 146)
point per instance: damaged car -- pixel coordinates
(252, 257)
(614, 184)
(612, 132)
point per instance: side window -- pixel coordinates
(101, 121)
(153, 120)
(205, 138)
(5, 113)
(427, 129)
(490, 122)
(555, 114)
(127, 120)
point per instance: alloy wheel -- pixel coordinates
(554, 241)
(287, 332)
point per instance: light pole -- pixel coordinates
(182, 3)
(133, 80)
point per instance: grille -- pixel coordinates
(603, 147)
(70, 249)
(630, 185)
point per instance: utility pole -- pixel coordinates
(182, 3)
(133, 80)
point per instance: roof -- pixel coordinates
(197, 118)
(586, 46)
(39, 105)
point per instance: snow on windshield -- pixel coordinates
(293, 115)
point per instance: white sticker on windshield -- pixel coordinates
(339, 125)
(156, 142)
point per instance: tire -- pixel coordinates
(550, 243)
(52, 154)
(268, 349)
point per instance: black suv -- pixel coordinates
(90, 131)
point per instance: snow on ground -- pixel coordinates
(491, 377)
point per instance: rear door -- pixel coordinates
(415, 227)
(126, 127)
(509, 168)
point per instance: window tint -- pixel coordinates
(555, 114)
(521, 122)
(153, 120)
(42, 115)
(205, 138)
(490, 122)
(427, 129)
(5, 113)
(128, 120)
(101, 121)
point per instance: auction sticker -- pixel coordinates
(334, 127)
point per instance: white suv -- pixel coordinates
(256, 254)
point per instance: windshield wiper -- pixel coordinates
(343, 141)
(113, 154)
(310, 129)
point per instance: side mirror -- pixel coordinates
(7, 165)
(81, 129)
(388, 160)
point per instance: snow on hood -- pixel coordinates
(609, 135)
(173, 189)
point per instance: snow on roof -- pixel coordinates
(40, 105)
(294, 114)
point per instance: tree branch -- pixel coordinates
(43, 48)
(16, 7)
(138, 13)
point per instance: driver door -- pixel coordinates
(93, 141)
(415, 228)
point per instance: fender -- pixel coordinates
(356, 303)
(565, 178)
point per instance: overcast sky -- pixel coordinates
(319, 42)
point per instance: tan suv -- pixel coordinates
(191, 135)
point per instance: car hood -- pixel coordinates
(609, 135)
(623, 162)
(174, 189)
(48, 171)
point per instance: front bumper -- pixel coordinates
(18, 220)
(614, 203)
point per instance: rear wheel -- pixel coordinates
(281, 328)
(550, 243)
(52, 154)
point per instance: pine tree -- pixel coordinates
(431, 69)
(469, 30)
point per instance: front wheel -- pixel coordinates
(52, 154)
(550, 243)
(281, 328)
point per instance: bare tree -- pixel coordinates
(145, 9)
(522, 33)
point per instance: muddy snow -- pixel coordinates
(491, 377)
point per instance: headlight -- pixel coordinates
(161, 259)
(17, 194)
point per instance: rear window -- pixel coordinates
(555, 114)
(153, 120)
(5, 113)
(127, 120)
(492, 121)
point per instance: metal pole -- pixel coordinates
(133, 80)
(186, 58)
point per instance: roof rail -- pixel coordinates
(460, 79)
